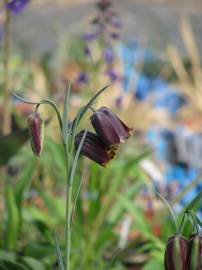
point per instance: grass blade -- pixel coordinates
(65, 116)
(58, 251)
(170, 210)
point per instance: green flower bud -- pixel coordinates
(194, 254)
(175, 254)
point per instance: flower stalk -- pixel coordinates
(68, 225)
(7, 44)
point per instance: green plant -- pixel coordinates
(69, 139)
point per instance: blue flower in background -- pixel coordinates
(170, 99)
(148, 55)
(16, 6)
(159, 84)
(143, 87)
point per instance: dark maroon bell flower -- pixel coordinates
(175, 254)
(36, 132)
(109, 127)
(16, 6)
(194, 254)
(94, 148)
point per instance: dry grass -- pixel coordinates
(189, 81)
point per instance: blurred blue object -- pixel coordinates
(128, 54)
(159, 84)
(169, 99)
(143, 87)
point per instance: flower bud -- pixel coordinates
(175, 254)
(36, 132)
(194, 253)
(111, 130)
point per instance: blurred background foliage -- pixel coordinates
(119, 222)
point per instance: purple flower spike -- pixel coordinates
(90, 36)
(94, 148)
(108, 55)
(112, 75)
(111, 130)
(16, 6)
(82, 78)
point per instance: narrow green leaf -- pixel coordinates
(8, 256)
(193, 218)
(12, 226)
(79, 116)
(170, 210)
(194, 202)
(24, 181)
(33, 263)
(74, 165)
(58, 251)
(199, 221)
(65, 116)
(82, 111)
(76, 198)
(187, 188)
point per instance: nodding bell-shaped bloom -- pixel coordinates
(175, 254)
(111, 130)
(36, 132)
(94, 148)
(194, 254)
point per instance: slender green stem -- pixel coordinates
(68, 227)
(68, 212)
(181, 227)
(7, 106)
